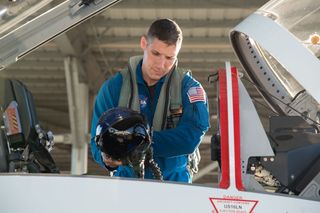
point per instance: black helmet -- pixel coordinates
(120, 131)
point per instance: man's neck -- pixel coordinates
(150, 82)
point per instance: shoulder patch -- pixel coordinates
(196, 94)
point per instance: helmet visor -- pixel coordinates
(120, 143)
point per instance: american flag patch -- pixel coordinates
(196, 94)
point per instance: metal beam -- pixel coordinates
(24, 75)
(65, 45)
(183, 56)
(183, 23)
(137, 49)
(120, 42)
(95, 74)
(124, 54)
(36, 81)
(111, 54)
(53, 104)
(72, 47)
(45, 55)
(63, 138)
(50, 96)
(37, 65)
(60, 86)
(191, 4)
(55, 117)
(46, 125)
(196, 67)
(66, 138)
(78, 111)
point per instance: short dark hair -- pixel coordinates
(165, 30)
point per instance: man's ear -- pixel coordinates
(143, 42)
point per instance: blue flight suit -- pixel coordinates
(171, 146)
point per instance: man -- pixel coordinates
(174, 103)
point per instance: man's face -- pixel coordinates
(158, 59)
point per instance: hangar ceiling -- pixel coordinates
(103, 44)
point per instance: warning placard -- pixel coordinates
(11, 119)
(232, 205)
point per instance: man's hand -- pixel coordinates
(109, 161)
